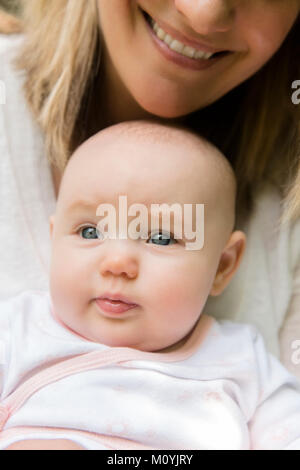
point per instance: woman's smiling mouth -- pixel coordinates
(180, 50)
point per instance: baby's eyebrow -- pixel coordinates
(82, 204)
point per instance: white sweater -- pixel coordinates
(260, 292)
(26, 188)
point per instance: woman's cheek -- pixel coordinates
(265, 34)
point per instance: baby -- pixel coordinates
(118, 354)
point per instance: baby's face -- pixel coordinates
(165, 284)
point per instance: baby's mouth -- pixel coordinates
(114, 305)
(180, 47)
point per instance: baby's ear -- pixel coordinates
(51, 225)
(230, 260)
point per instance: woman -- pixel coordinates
(222, 67)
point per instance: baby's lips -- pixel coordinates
(114, 306)
(115, 298)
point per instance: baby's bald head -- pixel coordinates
(156, 163)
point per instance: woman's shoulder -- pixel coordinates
(9, 45)
(8, 39)
(15, 116)
(267, 194)
(266, 209)
(266, 220)
(11, 79)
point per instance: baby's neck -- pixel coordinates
(178, 345)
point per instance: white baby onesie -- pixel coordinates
(220, 390)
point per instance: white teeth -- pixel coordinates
(189, 51)
(168, 39)
(178, 46)
(200, 55)
(161, 34)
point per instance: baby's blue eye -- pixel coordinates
(90, 233)
(162, 239)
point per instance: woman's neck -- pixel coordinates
(116, 103)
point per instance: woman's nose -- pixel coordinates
(119, 262)
(208, 16)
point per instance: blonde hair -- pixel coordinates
(58, 57)
(256, 125)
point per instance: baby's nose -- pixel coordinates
(119, 263)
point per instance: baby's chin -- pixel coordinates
(118, 341)
(114, 338)
(145, 346)
(124, 342)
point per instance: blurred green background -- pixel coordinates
(12, 6)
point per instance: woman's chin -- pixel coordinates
(165, 110)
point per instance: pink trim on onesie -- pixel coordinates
(95, 360)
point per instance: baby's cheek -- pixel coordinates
(70, 265)
(173, 292)
(67, 282)
(189, 287)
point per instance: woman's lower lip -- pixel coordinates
(113, 307)
(179, 59)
